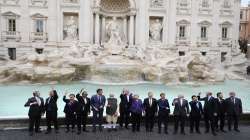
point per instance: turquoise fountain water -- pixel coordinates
(13, 97)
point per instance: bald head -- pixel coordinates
(232, 94)
(150, 94)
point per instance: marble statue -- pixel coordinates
(70, 29)
(114, 34)
(155, 31)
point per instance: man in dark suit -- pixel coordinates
(163, 113)
(70, 111)
(221, 112)
(234, 110)
(195, 114)
(181, 111)
(83, 110)
(36, 110)
(210, 112)
(126, 101)
(97, 103)
(150, 107)
(51, 111)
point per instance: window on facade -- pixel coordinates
(226, 4)
(181, 53)
(203, 32)
(205, 4)
(241, 14)
(223, 56)
(39, 50)
(182, 30)
(183, 3)
(12, 25)
(204, 53)
(39, 26)
(224, 32)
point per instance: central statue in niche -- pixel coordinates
(115, 43)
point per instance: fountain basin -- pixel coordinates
(13, 97)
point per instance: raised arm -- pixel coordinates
(27, 104)
(199, 97)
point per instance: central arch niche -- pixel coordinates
(120, 11)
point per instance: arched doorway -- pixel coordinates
(120, 12)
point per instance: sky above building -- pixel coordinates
(244, 2)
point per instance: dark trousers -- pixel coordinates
(34, 121)
(82, 120)
(97, 118)
(149, 121)
(177, 119)
(209, 122)
(233, 118)
(220, 118)
(124, 118)
(136, 121)
(51, 117)
(70, 120)
(163, 118)
(195, 121)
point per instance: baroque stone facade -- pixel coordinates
(166, 35)
(208, 26)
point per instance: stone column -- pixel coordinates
(85, 22)
(125, 28)
(97, 28)
(103, 28)
(131, 30)
(248, 52)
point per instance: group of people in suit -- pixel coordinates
(131, 109)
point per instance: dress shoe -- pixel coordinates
(31, 133)
(191, 131)
(47, 132)
(38, 131)
(175, 132)
(183, 133)
(67, 131)
(56, 131)
(222, 130)
(214, 133)
(237, 130)
(166, 132)
(198, 132)
(94, 130)
(78, 132)
(115, 129)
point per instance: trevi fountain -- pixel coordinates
(144, 46)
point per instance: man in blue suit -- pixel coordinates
(97, 104)
(195, 114)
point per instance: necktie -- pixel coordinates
(233, 100)
(197, 105)
(38, 101)
(100, 101)
(181, 101)
(49, 100)
(150, 102)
